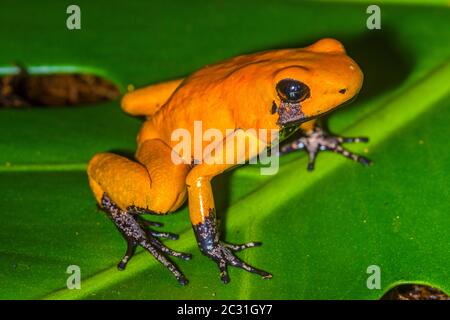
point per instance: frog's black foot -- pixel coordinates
(136, 232)
(223, 254)
(318, 140)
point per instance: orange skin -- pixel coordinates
(235, 94)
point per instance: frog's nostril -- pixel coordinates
(343, 91)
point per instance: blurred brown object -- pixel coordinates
(22, 90)
(9, 92)
(414, 292)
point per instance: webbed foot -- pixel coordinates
(136, 232)
(319, 140)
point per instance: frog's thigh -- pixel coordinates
(168, 177)
(151, 185)
(126, 182)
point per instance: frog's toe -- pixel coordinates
(223, 271)
(240, 247)
(353, 139)
(339, 149)
(223, 254)
(236, 262)
(158, 244)
(152, 223)
(131, 249)
(166, 235)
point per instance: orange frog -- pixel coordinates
(280, 89)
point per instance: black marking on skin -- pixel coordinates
(318, 140)
(132, 227)
(342, 91)
(274, 107)
(206, 233)
(138, 210)
(208, 240)
(289, 112)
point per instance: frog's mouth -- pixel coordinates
(289, 114)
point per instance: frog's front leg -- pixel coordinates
(316, 139)
(204, 220)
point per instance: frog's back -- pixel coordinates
(205, 95)
(218, 95)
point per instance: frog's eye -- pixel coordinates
(290, 90)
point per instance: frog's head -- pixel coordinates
(316, 80)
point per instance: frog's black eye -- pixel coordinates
(290, 90)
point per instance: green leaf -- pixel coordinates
(320, 230)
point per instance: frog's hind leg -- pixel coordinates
(127, 189)
(148, 100)
(133, 230)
